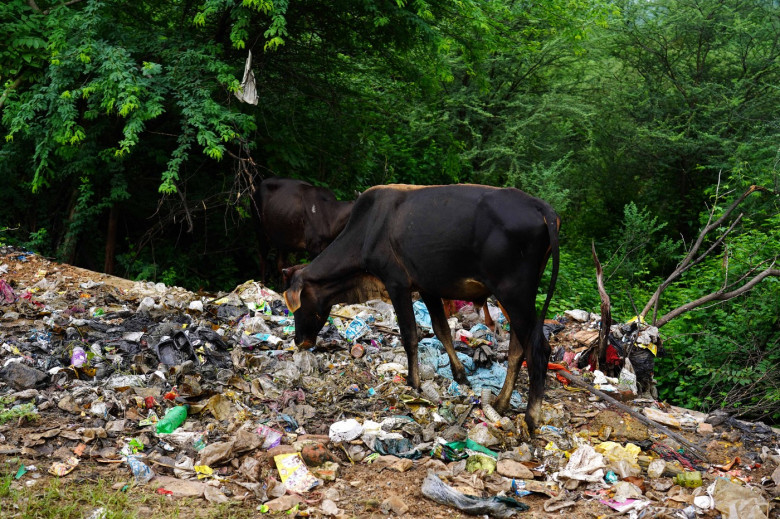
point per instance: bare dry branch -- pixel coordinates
(718, 296)
(34, 6)
(187, 213)
(719, 240)
(606, 317)
(64, 4)
(691, 259)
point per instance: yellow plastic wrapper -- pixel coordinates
(615, 452)
(62, 468)
(294, 473)
(203, 471)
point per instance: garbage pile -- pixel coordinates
(207, 396)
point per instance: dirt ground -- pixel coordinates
(360, 489)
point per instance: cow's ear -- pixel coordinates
(292, 298)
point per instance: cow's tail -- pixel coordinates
(539, 354)
(553, 226)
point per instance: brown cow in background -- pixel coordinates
(295, 216)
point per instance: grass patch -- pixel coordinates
(26, 411)
(55, 498)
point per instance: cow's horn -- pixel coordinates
(293, 300)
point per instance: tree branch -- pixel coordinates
(37, 9)
(718, 296)
(606, 317)
(689, 260)
(12, 86)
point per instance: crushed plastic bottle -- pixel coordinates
(172, 419)
(430, 391)
(356, 329)
(142, 472)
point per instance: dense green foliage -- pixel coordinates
(125, 149)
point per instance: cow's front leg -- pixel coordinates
(402, 302)
(442, 330)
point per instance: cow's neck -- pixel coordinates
(352, 290)
(342, 212)
(340, 276)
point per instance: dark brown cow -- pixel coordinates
(454, 242)
(295, 216)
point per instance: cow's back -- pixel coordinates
(445, 235)
(297, 216)
(282, 212)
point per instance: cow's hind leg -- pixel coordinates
(402, 302)
(526, 341)
(442, 330)
(537, 357)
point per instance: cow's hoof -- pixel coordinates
(460, 377)
(530, 425)
(501, 405)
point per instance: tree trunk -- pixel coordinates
(66, 250)
(110, 264)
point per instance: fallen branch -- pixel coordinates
(579, 382)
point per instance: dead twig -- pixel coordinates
(693, 258)
(606, 314)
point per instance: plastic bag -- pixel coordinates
(585, 464)
(272, 436)
(434, 489)
(627, 377)
(294, 474)
(422, 316)
(401, 447)
(738, 502)
(357, 328)
(345, 430)
(615, 452)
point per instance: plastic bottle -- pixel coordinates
(430, 391)
(172, 419)
(689, 479)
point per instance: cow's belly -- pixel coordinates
(467, 289)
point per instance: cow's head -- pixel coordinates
(307, 307)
